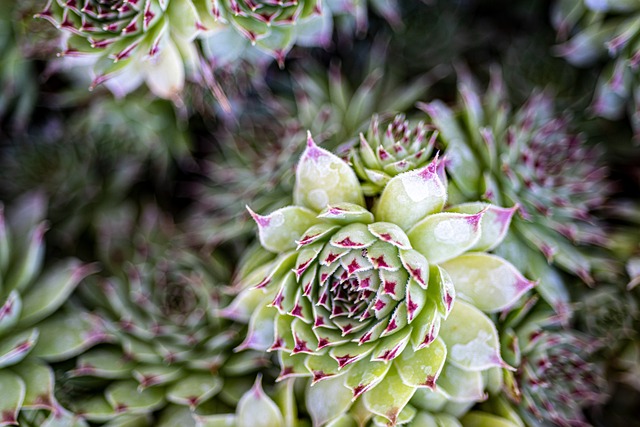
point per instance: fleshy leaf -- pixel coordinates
(346, 213)
(257, 409)
(443, 236)
(482, 419)
(460, 385)
(322, 367)
(324, 179)
(51, 290)
(422, 368)
(327, 400)
(409, 197)
(471, 338)
(280, 230)
(489, 282)
(10, 312)
(494, 224)
(67, 334)
(389, 397)
(364, 375)
(38, 379)
(126, 396)
(13, 392)
(103, 363)
(390, 233)
(15, 348)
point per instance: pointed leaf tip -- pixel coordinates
(279, 231)
(322, 178)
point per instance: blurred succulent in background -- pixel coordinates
(131, 41)
(93, 159)
(33, 327)
(22, 42)
(18, 84)
(528, 157)
(368, 300)
(238, 172)
(558, 376)
(165, 350)
(156, 41)
(592, 30)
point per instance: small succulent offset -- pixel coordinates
(165, 351)
(30, 301)
(527, 157)
(592, 30)
(383, 154)
(557, 377)
(364, 301)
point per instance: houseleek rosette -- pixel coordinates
(558, 376)
(383, 154)
(132, 41)
(592, 30)
(34, 330)
(528, 156)
(364, 302)
(166, 352)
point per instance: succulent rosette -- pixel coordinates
(558, 376)
(165, 351)
(528, 156)
(30, 312)
(132, 41)
(380, 300)
(383, 154)
(592, 30)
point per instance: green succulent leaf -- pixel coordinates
(10, 312)
(127, 396)
(38, 380)
(460, 385)
(13, 393)
(280, 230)
(409, 197)
(194, 388)
(481, 419)
(323, 179)
(494, 224)
(471, 338)
(52, 290)
(327, 400)
(443, 236)
(257, 409)
(389, 397)
(15, 348)
(422, 368)
(488, 282)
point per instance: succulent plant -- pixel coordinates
(558, 376)
(93, 159)
(528, 157)
(383, 154)
(370, 298)
(327, 103)
(591, 30)
(132, 41)
(165, 351)
(31, 297)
